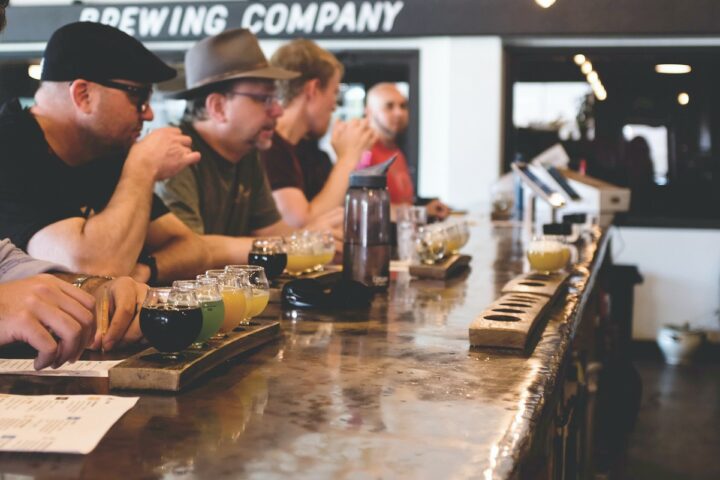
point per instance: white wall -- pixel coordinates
(681, 271)
(460, 112)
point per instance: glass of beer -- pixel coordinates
(458, 235)
(211, 304)
(236, 298)
(259, 286)
(170, 320)
(547, 254)
(270, 254)
(323, 249)
(431, 244)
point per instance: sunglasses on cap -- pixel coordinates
(140, 96)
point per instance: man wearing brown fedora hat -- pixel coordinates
(231, 113)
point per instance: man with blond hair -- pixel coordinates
(305, 184)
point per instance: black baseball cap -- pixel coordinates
(94, 51)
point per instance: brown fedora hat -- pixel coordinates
(229, 55)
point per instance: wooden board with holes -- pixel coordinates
(147, 370)
(441, 270)
(511, 321)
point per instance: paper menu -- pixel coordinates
(58, 423)
(82, 368)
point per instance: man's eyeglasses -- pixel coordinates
(140, 96)
(267, 99)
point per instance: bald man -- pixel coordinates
(387, 111)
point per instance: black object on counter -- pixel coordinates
(577, 218)
(564, 229)
(310, 293)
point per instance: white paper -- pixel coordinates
(82, 368)
(58, 423)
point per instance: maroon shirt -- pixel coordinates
(302, 166)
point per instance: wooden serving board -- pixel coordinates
(512, 320)
(147, 371)
(442, 270)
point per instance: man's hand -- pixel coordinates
(332, 220)
(435, 208)
(51, 315)
(163, 153)
(350, 139)
(125, 300)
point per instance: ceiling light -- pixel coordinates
(34, 71)
(683, 98)
(672, 68)
(592, 77)
(579, 59)
(545, 3)
(586, 67)
(601, 94)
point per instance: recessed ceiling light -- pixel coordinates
(545, 3)
(683, 98)
(34, 71)
(579, 59)
(673, 68)
(592, 77)
(586, 67)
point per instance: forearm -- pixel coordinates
(225, 250)
(333, 192)
(121, 228)
(181, 258)
(107, 243)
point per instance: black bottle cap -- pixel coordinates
(557, 229)
(372, 177)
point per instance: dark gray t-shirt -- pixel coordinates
(16, 264)
(217, 197)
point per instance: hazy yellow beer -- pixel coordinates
(547, 255)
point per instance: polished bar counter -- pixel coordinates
(389, 392)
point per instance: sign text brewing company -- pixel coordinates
(265, 19)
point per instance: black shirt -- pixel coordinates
(38, 189)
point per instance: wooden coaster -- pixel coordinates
(442, 270)
(148, 371)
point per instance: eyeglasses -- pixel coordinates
(267, 99)
(140, 96)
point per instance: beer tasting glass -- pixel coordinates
(408, 219)
(212, 306)
(547, 254)
(235, 295)
(431, 244)
(269, 253)
(259, 287)
(170, 319)
(308, 251)
(458, 234)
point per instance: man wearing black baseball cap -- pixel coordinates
(75, 182)
(56, 318)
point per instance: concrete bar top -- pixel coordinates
(389, 392)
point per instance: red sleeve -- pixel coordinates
(400, 184)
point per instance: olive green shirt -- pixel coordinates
(217, 197)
